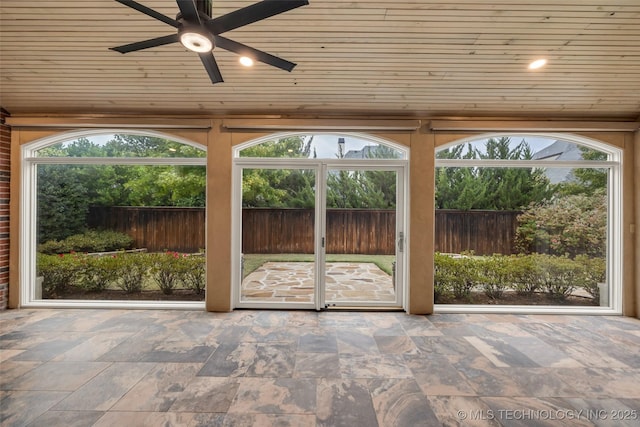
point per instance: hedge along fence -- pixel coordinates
(288, 230)
(556, 276)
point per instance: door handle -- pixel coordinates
(401, 241)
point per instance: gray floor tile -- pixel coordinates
(345, 403)
(68, 418)
(104, 390)
(303, 368)
(19, 408)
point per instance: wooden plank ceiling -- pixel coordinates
(371, 57)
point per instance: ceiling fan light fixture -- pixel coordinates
(196, 41)
(246, 61)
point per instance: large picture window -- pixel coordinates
(114, 219)
(527, 221)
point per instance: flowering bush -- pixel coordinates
(571, 225)
(97, 273)
(131, 270)
(167, 270)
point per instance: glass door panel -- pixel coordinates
(278, 237)
(363, 231)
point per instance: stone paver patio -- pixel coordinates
(293, 282)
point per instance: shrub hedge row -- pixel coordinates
(557, 276)
(131, 272)
(90, 241)
(455, 276)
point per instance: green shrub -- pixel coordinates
(465, 276)
(132, 270)
(443, 276)
(58, 273)
(193, 275)
(167, 269)
(524, 273)
(495, 275)
(91, 241)
(98, 272)
(53, 247)
(559, 275)
(593, 272)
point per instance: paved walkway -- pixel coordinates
(293, 282)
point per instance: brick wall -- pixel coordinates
(5, 150)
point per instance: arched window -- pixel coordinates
(528, 220)
(112, 216)
(322, 146)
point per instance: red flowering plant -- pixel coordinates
(167, 269)
(98, 272)
(132, 270)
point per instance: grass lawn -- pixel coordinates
(253, 261)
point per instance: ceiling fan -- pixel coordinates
(200, 33)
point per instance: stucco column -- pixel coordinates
(422, 215)
(219, 162)
(636, 231)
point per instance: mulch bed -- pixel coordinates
(512, 298)
(117, 294)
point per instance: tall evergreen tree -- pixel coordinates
(492, 188)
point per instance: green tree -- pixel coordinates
(65, 192)
(62, 202)
(490, 188)
(279, 187)
(587, 181)
(290, 147)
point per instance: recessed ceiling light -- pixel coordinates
(538, 63)
(246, 61)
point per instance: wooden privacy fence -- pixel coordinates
(349, 231)
(271, 230)
(483, 232)
(155, 228)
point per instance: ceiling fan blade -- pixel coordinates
(158, 41)
(250, 14)
(258, 55)
(211, 66)
(189, 11)
(150, 12)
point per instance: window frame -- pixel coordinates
(615, 242)
(28, 211)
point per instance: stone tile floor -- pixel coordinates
(82, 367)
(294, 282)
